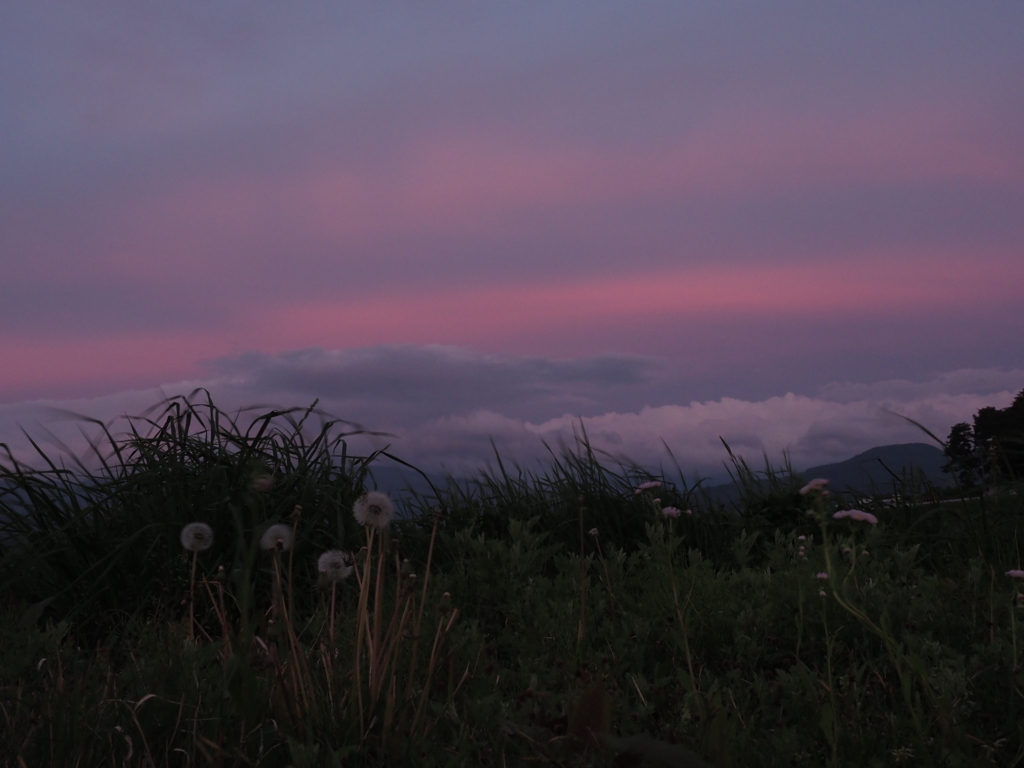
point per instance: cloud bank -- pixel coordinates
(445, 406)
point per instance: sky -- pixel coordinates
(776, 224)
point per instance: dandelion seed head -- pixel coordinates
(277, 536)
(197, 537)
(335, 564)
(856, 514)
(374, 508)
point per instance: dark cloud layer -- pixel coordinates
(406, 385)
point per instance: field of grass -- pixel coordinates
(590, 614)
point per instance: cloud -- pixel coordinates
(810, 431)
(403, 384)
(965, 381)
(452, 407)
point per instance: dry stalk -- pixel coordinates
(392, 640)
(378, 598)
(191, 598)
(439, 637)
(364, 585)
(423, 603)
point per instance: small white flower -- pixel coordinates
(821, 593)
(373, 508)
(817, 484)
(823, 576)
(856, 514)
(335, 564)
(197, 537)
(670, 512)
(277, 536)
(593, 532)
(801, 538)
(1015, 574)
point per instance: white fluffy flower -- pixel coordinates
(277, 536)
(197, 537)
(670, 512)
(374, 508)
(335, 564)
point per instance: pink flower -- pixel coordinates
(670, 512)
(801, 538)
(823, 576)
(817, 484)
(1015, 574)
(856, 514)
(646, 487)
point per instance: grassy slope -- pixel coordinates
(706, 630)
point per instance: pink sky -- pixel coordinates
(765, 199)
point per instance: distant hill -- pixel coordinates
(867, 473)
(863, 475)
(873, 470)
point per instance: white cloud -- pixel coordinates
(446, 406)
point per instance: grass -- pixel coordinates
(550, 617)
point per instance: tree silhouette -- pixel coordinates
(991, 450)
